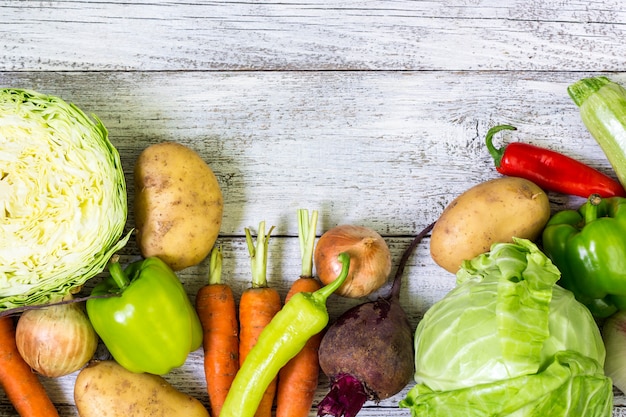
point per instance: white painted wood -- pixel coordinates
(372, 112)
(402, 144)
(312, 35)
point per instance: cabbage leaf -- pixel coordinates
(571, 385)
(63, 202)
(508, 341)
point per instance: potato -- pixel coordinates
(105, 388)
(178, 205)
(491, 212)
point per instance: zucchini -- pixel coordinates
(602, 104)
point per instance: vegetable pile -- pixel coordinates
(519, 333)
(302, 317)
(367, 352)
(535, 326)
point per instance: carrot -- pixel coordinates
(215, 304)
(298, 379)
(257, 306)
(21, 385)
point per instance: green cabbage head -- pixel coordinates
(508, 341)
(63, 202)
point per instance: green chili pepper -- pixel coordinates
(304, 315)
(152, 325)
(588, 246)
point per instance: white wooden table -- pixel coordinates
(372, 112)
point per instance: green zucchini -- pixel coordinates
(602, 104)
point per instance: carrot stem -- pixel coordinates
(306, 229)
(258, 254)
(215, 266)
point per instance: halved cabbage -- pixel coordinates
(63, 202)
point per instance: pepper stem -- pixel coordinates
(306, 229)
(496, 153)
(325, 292)
(118, 275)
(591, 209)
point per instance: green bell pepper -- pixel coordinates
(588, 246)
(149, 324)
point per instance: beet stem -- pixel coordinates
(397, 280)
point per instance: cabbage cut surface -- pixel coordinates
(63, 203)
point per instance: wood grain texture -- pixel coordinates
(372, 112)
(312, 35)
(402, 144)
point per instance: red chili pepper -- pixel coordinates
(551, 170)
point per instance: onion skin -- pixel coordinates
(370, 259)
(56, 340)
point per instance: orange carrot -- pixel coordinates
(257, 306)
(215, 304)
(298, 379)
(22, 386)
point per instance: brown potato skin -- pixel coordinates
(491, 212)
(178, 205)
(105, 388)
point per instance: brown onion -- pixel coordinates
(56, 340)
(370, 259)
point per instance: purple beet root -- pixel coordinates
(367, 353)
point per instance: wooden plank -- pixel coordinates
(282, 140)
(340, 142)
(373, 112)
(312, 35)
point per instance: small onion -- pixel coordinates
(370, 259)
(56, 340)
(614, 336)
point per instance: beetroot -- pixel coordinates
(367, 353)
